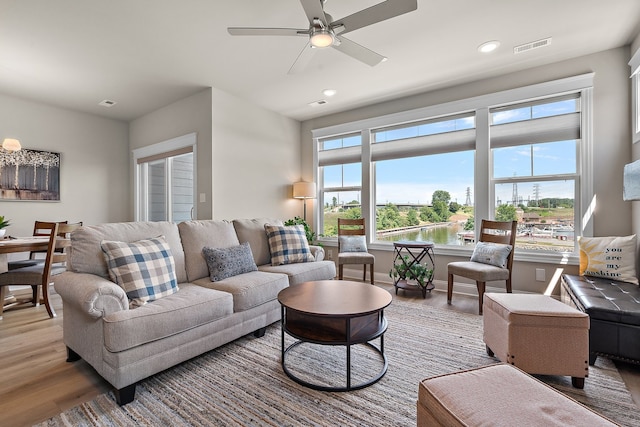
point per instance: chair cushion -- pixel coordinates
(353, 243)
(252, 231)
(227, 262)
(491, 253)
(355, 258)
(478, 271)
(144, 269)
(288, 244)
(609, 257)
(198, 234)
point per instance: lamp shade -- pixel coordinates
(304, 190)
(11, 144)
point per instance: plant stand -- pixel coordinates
(408, 254)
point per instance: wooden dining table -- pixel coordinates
(17, 245)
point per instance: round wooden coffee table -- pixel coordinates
(334, 312)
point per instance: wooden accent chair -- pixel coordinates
(40, 275)
(503, 232)
(353, 251)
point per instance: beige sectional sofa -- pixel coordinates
(126, 345)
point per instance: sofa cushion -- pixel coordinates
(192, 306)
(144, 269)
(86, 255)
(288, 244)
(198, 234)
(491, 253)
(609, 257)
(303, 272)
(249, 289)
(253, 232)
(227, 262)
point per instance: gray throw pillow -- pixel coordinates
(491, 253)
(228, 262)
(353, 243)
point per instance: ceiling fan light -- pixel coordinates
(321, 37)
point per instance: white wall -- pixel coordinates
(612, 147)
(192, 114)
(256, 159)
(247, 156)
(94, 173)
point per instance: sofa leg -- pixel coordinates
(72, 356)
(577, 382)
(125, 394)
(489, 351)
(592, 358)
(260, 332)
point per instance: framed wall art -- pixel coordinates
(29, 175)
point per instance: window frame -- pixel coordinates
(634, 64)
(584, 199)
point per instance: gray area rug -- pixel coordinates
(242, 383)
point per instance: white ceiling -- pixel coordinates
(145, 54)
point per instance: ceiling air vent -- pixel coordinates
(316, 103)
(533, 45)
(107, 103)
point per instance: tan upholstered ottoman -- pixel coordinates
(498, 395)
(538, 334)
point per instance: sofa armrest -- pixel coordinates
(317, 252)
(91, 294)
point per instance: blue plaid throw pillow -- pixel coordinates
(288, 244)
(144, 269)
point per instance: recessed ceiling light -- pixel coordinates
(329, 92)
(488, 46)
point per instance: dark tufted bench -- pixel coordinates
(614, 313)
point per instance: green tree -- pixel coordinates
(428, 214)
(442, 210)
(470, 224)
(388, 217)
(506, 213)
(454, 207)
(353, 213)
(412, 217)
(441, 196)
(335, 201)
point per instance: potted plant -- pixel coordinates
(404, 270)
(4, 223)
(311, 235)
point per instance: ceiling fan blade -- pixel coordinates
(358, 52)
(376, 13)
(314, 10)
(302, 60)
(249, 31)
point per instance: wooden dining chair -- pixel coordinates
(40, 275)
(352, 246)
(35, 257)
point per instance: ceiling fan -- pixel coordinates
(324, 32)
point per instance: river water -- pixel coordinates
(440, 234)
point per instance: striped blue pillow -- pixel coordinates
(144, 269)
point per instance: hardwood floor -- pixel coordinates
(37, 382)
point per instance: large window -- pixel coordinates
(426, 174)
